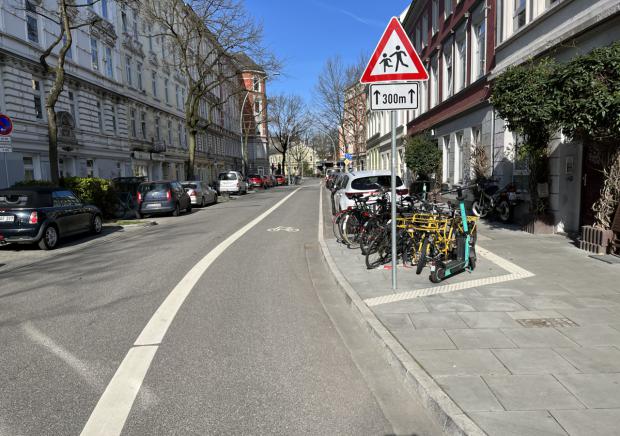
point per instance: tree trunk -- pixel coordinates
(192, 154)
(284, 163)
(52, 130)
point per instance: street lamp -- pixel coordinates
(243, 146)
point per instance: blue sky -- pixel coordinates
(304, 33)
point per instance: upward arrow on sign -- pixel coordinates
(394, 59)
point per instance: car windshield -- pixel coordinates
(227, 176)
(371, 182)
(190, 186)
(148, 187)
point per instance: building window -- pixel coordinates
(518, 18)
(109, 64)
(154, 83)
(448, 76)
(166, 91)
(135, 24)
(143, 124)
(114, 118)
(132, 117)
(38, 100)
(28, 168)
(162, 46)
(178, 95)
(180, 134)
(150, 37)
(32, 22)
(128, 72)
(447, 8)
(256, 84)
(104, 9)
(124, 18)
(424, 29)
(418, 39)
(183, 96)
(478, 69)
(72, 107)
(94, 53)
(434, 82)
(460, 65)
(169, 132)
(139, 71)
(435, 15)
(99, 117)
(90, 168)
(157, 129)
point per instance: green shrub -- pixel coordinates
(422, 156)
(92, 190)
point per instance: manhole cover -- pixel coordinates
(547, 322)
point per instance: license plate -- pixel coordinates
(7, 219)
(152, 205)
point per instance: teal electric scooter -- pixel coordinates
(465, 250)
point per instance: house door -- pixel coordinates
(591, 181)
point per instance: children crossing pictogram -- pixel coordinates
(394, 59)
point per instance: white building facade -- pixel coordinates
(122, 110)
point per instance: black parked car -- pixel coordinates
(163, 197)
(43, 215)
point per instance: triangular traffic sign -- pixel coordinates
(394, 59)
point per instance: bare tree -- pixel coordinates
(299, 153)
(204, 36)
(68, 18)
(288, 121)
(331, 95)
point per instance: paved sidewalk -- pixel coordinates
(527, 344)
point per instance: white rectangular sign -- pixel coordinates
(393, 96)
(6, 149)
(5, 140)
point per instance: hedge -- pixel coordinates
(90, 190)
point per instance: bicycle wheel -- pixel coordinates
(370, 231)
(379, 252)
(351, 228)
(336, 226)
(422, 257)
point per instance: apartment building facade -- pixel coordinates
(122, 109)
(254, 115)
(465, 44)
(352, 137)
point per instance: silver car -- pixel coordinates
(200, 192)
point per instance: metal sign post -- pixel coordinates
(394, 242)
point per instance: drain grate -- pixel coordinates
(547, 322)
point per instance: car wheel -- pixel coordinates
(176, 211)
(188, 210)
(215, 199)
(97, 225)
(49, 241)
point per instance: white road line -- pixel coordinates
(109, 416)
(516, 273)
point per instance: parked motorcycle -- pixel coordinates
(489, 198)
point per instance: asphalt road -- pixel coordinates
(261, 345)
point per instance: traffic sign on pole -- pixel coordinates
(394, 59)
(393, 96)
(6, 125)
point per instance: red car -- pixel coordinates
(267, 182)
(280, 179)
(255, 181)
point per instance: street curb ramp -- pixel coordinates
(442, 409)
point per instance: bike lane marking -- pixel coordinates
(515, 273)
(111, 412)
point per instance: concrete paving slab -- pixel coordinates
(585, 317)
(592, 359)
(479, 338)
(488, 291)
(471, 393)
(543, 303)
(592, 336)
(531, 392)
(437, 320)
(411, 306)
(443, 304)
(596, 391)
(589, 422)
(495, 304)
(538, 423)
(481, 320)
(424, 339)
(534, 361)
(460, 362)
(396, 320)
(535, 314)
(538, 337)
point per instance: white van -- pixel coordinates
(232, 182)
